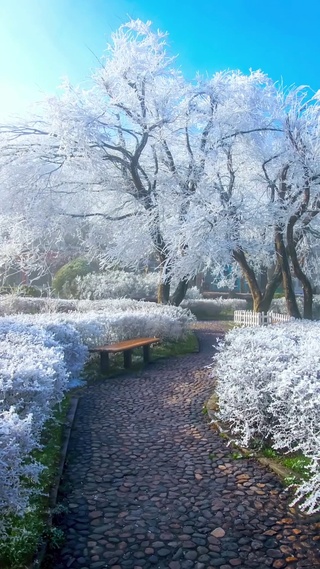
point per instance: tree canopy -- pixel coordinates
(219, 171)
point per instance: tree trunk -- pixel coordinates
(290, 296)
(165, 279)
(163, 293)
(250, 277)
(270, 289)
(261, 300)
(179, 293)
(307, 299)
(263, 278)
(305, 283)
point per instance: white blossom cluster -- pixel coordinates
(214, 306)
(113, 284)
(268, 389)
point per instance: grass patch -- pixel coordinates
(167, 349)
(237, 455)
(25, 534)
(269, 452)
(203, 315)
(296, 462)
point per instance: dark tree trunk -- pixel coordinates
(305, 283)
(179, 293)
(165, 279)
(270, 290)
(263, 278)
(250, 277)
(163, 293)
(261, 300)
(307, 299)
(290, 296)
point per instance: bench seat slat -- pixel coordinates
(126, 345)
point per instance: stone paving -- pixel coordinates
(149, 484)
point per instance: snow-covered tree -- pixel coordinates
(95, 154)
(217, 172)
(261, 201)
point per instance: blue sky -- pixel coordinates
(42, 41)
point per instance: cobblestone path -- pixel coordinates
(151, 485)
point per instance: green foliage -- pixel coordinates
(25, 290)
(55, 537)
(237, 456)
(269, 452)
(26, 534)
(290, 480)
(6, 289)
(65, 275)
(21, 290)
(297, 464)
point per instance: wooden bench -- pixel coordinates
(126, 347)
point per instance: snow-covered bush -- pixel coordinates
(193, 293)
(13, 304)
(56, 328)
(33, 378)
(103, 321)
(17, 441)
(33, 375)
(113, 284)
(279, 305)
(75, 352)
(269, 388)
(212, 308)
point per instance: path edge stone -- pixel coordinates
(40, 555)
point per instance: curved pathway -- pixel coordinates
(150, 485)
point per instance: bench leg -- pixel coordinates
(146, 354)
(104, 362)
(127, 358)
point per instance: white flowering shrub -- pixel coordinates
(268, 388)
(13, 304)
(17, 441)
(113, 284)
(279, 305)
(104, 321)
(33, 378)
(212, 308)
(33, 375)
(65, 335)
(193, 293)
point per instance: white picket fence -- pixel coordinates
(250, 318)
(276, 317)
